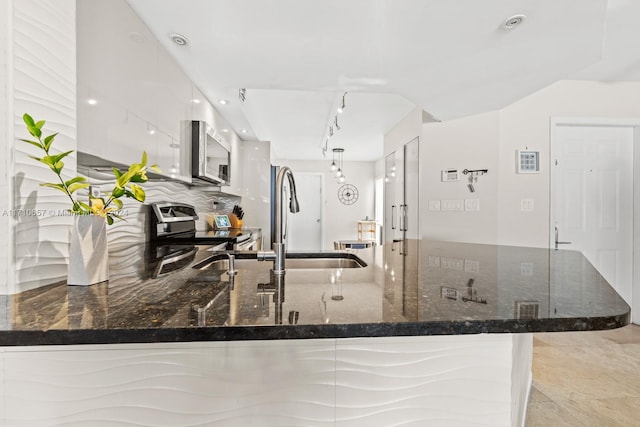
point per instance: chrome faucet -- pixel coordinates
(232, 265)
(278, 252)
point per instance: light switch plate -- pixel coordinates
(452, 205)
(434, 205)
(526, 205)
(471, 266)
(472, 205)
(452, 263)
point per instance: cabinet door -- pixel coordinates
(117, 59)
(390, 206)
(411, 212)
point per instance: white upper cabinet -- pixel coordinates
(132, 96)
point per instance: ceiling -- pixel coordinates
(297, 58)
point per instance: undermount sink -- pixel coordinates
(294, 260)
(323, 260)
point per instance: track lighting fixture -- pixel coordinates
(334, 126)
(342, 106)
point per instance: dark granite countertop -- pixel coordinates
(415, 288)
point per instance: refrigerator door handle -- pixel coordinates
(403, 217)
(393, 217)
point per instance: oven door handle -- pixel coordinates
(180, 257)
(246, 244)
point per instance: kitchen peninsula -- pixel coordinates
(331, 346)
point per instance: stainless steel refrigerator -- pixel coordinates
(402, 227)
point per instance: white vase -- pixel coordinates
(88, 253)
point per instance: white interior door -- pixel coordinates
(592, 198)
(305, 227)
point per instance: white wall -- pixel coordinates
(490, 140)
(39, 77)
(526, 123)
(6, 135)
(467, 143)
(404, 131)
(341, 221)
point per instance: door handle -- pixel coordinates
(404, 218)
(557, 242)
(393, 218)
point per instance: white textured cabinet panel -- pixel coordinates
(117, 56)
(3, 407)
(471, 380)
(202, 110)
(216, 384)
(172, 95)
(141, 94)
(165, 156)
(435, 381)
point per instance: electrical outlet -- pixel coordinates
(526, 205)
(434, 205)
(526, 269)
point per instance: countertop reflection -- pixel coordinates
(418, 288)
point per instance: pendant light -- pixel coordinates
(337, 165)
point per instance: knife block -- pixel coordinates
(235, 221)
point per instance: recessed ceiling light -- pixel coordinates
(179, 39)
(91, 101)
(225, 130)
(223, 101)
(243, 131)
(196, 101)
(513, 21)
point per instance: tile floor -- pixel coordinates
(586, 379)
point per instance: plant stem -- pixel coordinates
(76, 206)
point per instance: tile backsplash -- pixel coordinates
(134, 228)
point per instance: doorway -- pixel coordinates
(592, 196)
(305, 227)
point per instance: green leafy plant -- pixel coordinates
(126, 183)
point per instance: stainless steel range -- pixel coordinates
(176, 223)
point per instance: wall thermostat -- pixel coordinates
(449, 175)
(528, 161)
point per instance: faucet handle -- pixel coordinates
(232, 265)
